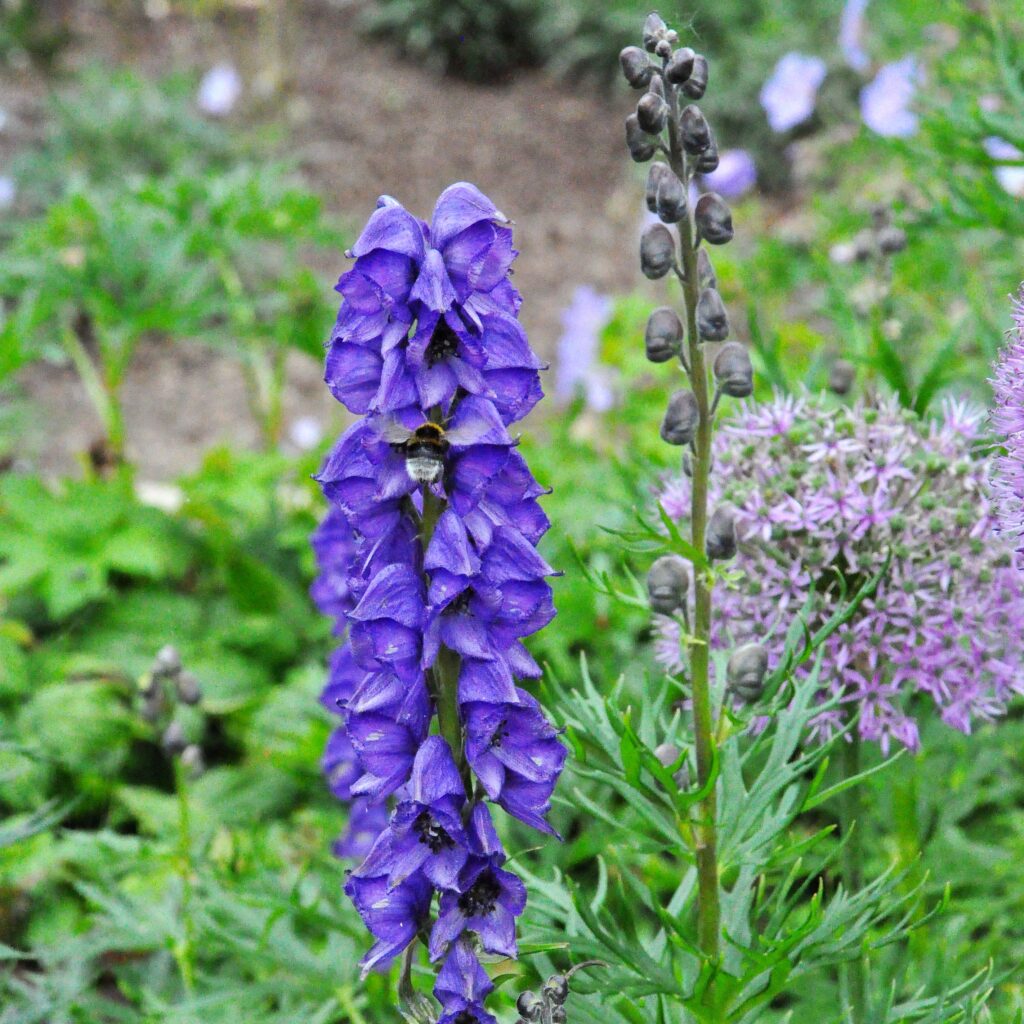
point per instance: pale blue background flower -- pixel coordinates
(789, 95)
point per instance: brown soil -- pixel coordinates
(359, 122)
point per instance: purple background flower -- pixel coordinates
(885, 102)
(735, 175)
(791, 91)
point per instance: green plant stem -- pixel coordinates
(708, 898)
(101, 390)
(853, 975)
(184, 951)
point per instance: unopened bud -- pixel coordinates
(652, 113)
(712, 319)
(708, 160)
(681, 418)
(706, 277)
(892, 240)
(188, 688)
(695, 85)
(641, 145)
(167, 661)
(841, 376)
(671, 198)
(654, 31)
(664, 334)
(668, 580)
(556, 989)
(173, 739)
(530, 1005)
(714, 219)
(657, 251)
(636, 66)
(720, 540)
(663, 49)
(863, 245)
(694, 130)
(192, 760)
(558, 1015)
(655, 173)
(745, 672)
(679, 67)
(733, 373)
(153, 705)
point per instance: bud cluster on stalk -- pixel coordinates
(167, 686)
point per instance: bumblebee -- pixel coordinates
(426, 447)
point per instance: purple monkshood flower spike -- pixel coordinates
(429, 565)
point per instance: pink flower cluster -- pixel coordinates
(1008, 424)
(821, 490)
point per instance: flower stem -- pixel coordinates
(853, 976)
(708, 896)
(184, 949)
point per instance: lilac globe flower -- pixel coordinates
(822, 492)
(1007, 420)
(429, 565)
(791, 91)
(886, 101)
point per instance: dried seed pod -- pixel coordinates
(892, 240)
(641, 145)
(652, 113)
(556, 989)
(679, 67)
(670, 200)
(714, 219)
(667, 754)
(654, 31)
(694, 130)
(841, 376)
(712, 319)
(720, 540)
(655, 173)
(173, 740)
(745, 672)
(706, 276)
(530, 1005)
(188, 688)
(663, 335)
(167, 661)
(192, 760)
(697, 82)
(733, 373)
(668, 580)
(636, 67)
(681, 418)
(708, 160)
(657, 251)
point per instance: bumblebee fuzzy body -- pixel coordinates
(424, 452)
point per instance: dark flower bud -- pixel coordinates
(663, 49)
(671, 199)
(706, 277)
(681, 418)
(654, 30)
(712, 319)
(153, 705)
(167, 661)
(558, 1015)
(530, 1005)
(655, 173)
(733, 373)
(641, 146)
(720, 541)
(694, 130)
(556, 989)
(657, 86)
(663, 335)
(841, 376)
(667, 754)
(657, 251)
(679, 67)
(188, 688)
(863, 245)
(708, 160)
(695, 85)
(192, 760)
(892, 240)
(652, 112)
(173, 739)
(714, 219)
(668, 580)
(636, 66)
(745, 672)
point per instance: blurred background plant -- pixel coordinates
(133, 214)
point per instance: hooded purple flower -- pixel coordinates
(429, 309)
(790, 93)
(885, 102)
(462, 987)
(334, 545)
(392, 915)
(426, 832)
(486, 900)
(387, 624)
(366, 820)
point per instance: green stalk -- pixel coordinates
(103, 394)
(708, 895)
(184, 950)
(853, 975)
